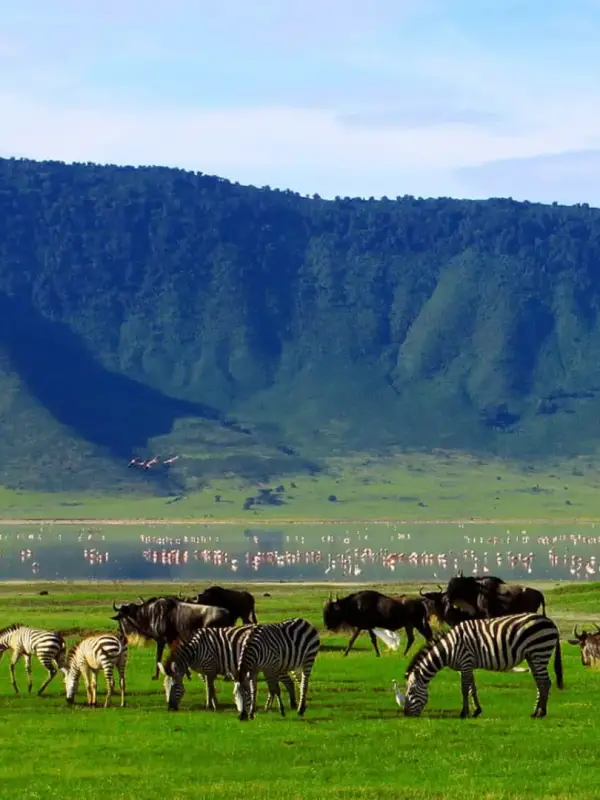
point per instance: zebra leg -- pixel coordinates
(50, 667)
(110, 684)
(122, 684)
(466, 682)
(253, 691)
(94, 688)
(478, 708)
(211, 694)
(291, 690)
(353, 638)
(274, 691)
(13, 661)
(304, 689)
(543, 682)
(27, 659)
(88, 687)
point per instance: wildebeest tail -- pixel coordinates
(253, 616)
(543, 605)
(558, 668)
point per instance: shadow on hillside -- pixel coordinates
(103, 407)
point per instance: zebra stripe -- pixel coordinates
(496, 644)
(94, 653)
(49, 647)
(275, 649)
(209, 652)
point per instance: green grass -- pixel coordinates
(419, 487)
(352, 742)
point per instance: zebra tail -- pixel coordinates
(558, 669)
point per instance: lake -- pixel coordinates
(360, 552)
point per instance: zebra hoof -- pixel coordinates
(477, 712)
(464, 714)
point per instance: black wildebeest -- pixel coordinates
(238, 601)
(166, 619)
(589, 644)
(492, 597)
(368, 609)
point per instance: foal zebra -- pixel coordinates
(102, 652)
(275, 649)
(49, 647)
(496, 644)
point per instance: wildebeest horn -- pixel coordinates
(115, 607)
(597, 626)
(421, 592)
(440, 588)
(141, 599)
(575, 634)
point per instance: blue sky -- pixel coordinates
(462, 98)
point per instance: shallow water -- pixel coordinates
(362, 552)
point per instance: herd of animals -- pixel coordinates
(492, 625)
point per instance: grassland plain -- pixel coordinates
(353, 743)
(417, 487)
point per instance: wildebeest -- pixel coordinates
(238, 601)
(589, 644)
(492, 597)
(369, 609)
(471, 593)
(166, 619)
(438, 604)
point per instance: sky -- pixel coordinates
(459, 98)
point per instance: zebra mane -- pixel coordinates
(422, 654)
(10, 628)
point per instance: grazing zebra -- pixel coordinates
(498, 644)
(210, 652)
(102, 652)
(49, 647)
(275, 649)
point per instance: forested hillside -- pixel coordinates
(256, 331)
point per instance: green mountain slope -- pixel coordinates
(257, 331)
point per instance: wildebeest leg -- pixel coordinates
(543, 683)
(410, 638)
(211, 694)
(291, 690)
(353, 638)
(466, 683)
(373, 639)
(160, 649)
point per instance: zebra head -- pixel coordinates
(417, 694)
(71, 679)
(173, 685)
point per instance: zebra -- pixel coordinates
(104, 652)
(210, 652)
(49, 647)
(275, 649)
(497, 644)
